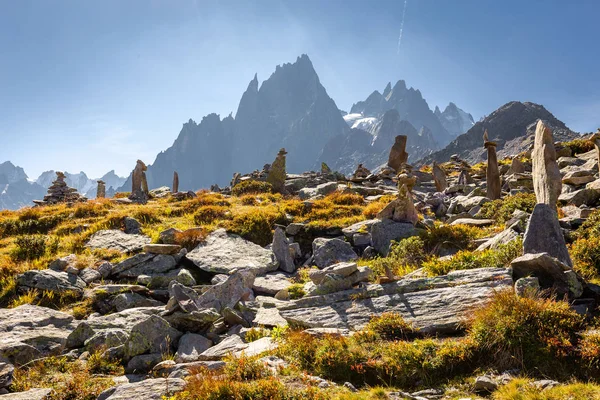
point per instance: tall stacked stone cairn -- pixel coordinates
(139, 184)
(406, 177)
(401, 209)
(398, 155)
(276, 173)
(439, 177)
(360, 174)
(101, 191)
(543, 234)
(59, 192)
(175, 187)
(494, 184)
(547, 180)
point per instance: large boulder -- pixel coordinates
(551, 273)
(224, 253)
(543, 234)
(117, 240)
(321, 190)
(31, 394)
(271, 283)
(52, 281)
(330, 251)
(157, 265)
(149, 389)
(28, 332)
(281, 249)
(433, 305)
(152, 335)
(191, 345)
(586, 196)
(229, 345)
(385, 231)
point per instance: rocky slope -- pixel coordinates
(512, 126)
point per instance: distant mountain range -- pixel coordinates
(16, 190)
(292, 109)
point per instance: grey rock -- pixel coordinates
(32, 394)
(191, 345)
(168, 236)
(142, 364)
(159, 264)
(269, 317)
(126, 301)
(385, 231)
(434, 305)
(6, 373)
(294, 229)
(485, 384)
(51, 280)
(551, 273)
(62, 263)
(106, 338)
(335, 283)
(149, 389)
(28, 332)
(578, 178)
(321, 190)
(543, 234)
(526, 285)
(343, 269)
(89, 275)
(117, 240)
(586, 196)
(105, 269)
(153, 335)
(132, 226)
(329, 251)
(124, 320)
(547, 180)
(271, 283)
(226, 253)
(231, 344)
(281, 249)
(258, 347)
(504, 237)
(472, 222)
(162, 280)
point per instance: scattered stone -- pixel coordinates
(6, 373)
(578, 178)
(383, 232)
(162, 248)
(271, 283)
(551, 273)
(516, 166)
(152, 335)
(28, 332)
(231, 344)
(226, 253)
(485, 384)
(360, 174)
(50, 280)
(329, 251)
(191, 345)
(269, 317)
(132, 226)
(89, 275)
(529, 284)
(149, 389)
(344, 269)
(117, 240)
(143, 363)
(32, 394)
(126, 301)
(546, 174)
(321, 190)
(281, 249)
(258, 347)
(158, 264)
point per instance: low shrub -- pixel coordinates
(524, 389)
(405, 256)
(501, 210)
(209, 214)
(29, 226)
(29, 247)
(457, 236)
(256, 225)
(296, 291)
(389, 326)
(585, 253)
(579, 146)
(346, 199)
(530, 333)
(591, 227)
(251, 187)
(589, 350)
(245, 368)
(498, 258)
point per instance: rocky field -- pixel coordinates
(452, 281)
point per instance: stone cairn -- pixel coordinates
(494, 184)
(547, 180)
(139, 184)
(276, 173)
(59, 192)
(101, 191)
(360, 174)
(439, 177)
(175, 187)
(398, 155)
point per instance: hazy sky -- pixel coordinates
(95, 85)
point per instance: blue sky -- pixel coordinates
(95, 85)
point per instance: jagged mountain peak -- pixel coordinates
(455, 120)
(512, 126)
